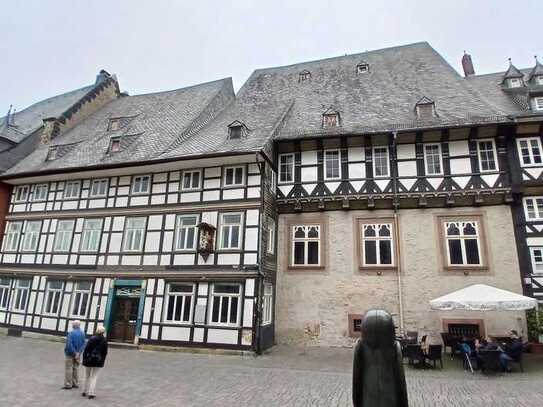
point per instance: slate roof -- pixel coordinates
(512, 72)
(30, 119)
(507, 101)
(154, 122)
(274, 104)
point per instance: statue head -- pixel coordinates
(378, 329)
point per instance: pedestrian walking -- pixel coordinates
(94, 357)
(75, 342)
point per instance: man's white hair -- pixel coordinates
(100, 329)
(76, 323)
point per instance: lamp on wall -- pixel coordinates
(207, 237)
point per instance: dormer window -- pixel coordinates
(304, 75)
(537, 103)
(114, 124)
(52, 153)
(115, 145)
(515, 83)
(236, 130)
(362, 68)
(425, 109)
(539, 80)
(330, 120)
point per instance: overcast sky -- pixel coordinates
(49, 47)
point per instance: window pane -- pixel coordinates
(299, 252)
(171, 303)
(224, 309)
(455, 251)
(216, 306)
(226, 288)
(370, 252)
(313, 253)
(229, 176)
(234, 236)
(178, 305)
(195, 179)
(233, 310)
(385, 252)
(472, 251)
(239, 175)
(187, 181)
(186, 309)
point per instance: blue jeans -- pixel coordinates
(504, 361)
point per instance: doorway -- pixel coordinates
(125, 317)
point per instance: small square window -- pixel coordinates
(539, 80)
(141, 184)
(52, 153)
(425, 111)
(115, 145)
(234, 176)
(304, 76)
(71, 189)
(98, 188)
(355, 325)
(515, 83)
(235, 132)
(114, 124)
(330, 120)
(40, 192)
(21, 193)
(362, 68)
(191, 180)
(538, 103)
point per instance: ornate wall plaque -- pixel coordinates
(207, 237)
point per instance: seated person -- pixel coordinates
(425, 344)
(513, 351)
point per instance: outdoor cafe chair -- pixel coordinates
(414, 355)
(490, 360)
(435, 353)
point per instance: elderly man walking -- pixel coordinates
(75, 342)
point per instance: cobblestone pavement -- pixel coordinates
(31, 375)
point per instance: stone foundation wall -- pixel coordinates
(312, 306)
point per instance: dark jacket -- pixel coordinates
(514, 350)
(95, 352)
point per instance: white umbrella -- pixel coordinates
(481, 297)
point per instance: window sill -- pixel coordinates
(377, 269)
(233, 186)
(306, 268)
(465, 269)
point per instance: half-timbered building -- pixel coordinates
(197, 217)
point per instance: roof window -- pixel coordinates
(52, 153)
(330, 119)
(115, 145)
(425, 109)
(537, 103)
(362, 67)
(236, 130)
(114, 124)
(304, 75)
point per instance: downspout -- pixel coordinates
(258, 286)
(395, 205)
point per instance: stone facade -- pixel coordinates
(313, 305)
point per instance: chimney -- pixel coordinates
(467, 64)
(102, 76)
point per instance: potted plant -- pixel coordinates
(535, 330)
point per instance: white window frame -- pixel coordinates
(535, 262)
(128, 240)
(5, 289)
(515, 82)
(271, 236)
(286, 165)
(387, 162)
(75, 190)
(539, 79)
(12, 237)
(234, 184)
(191, 173)
(306, 241)
(179, 219)
(219, 296)
(538, 102)
(63, 237)
(326, 178)
(494, 151)
(530, 151)
(176, 297)
(94, 235)
(376, 226)
(21, 193)
(31, 236)
(531, 205)
(223, 225)
(75, 303)
(462, 237)
(267, 304)
(273, 182)
(21, 295)
(56, 300)
(44, 189)
(426, 162)
(140, 179)
(96, 181)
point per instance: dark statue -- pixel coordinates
(378, 376)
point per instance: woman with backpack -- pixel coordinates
(94, 357)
